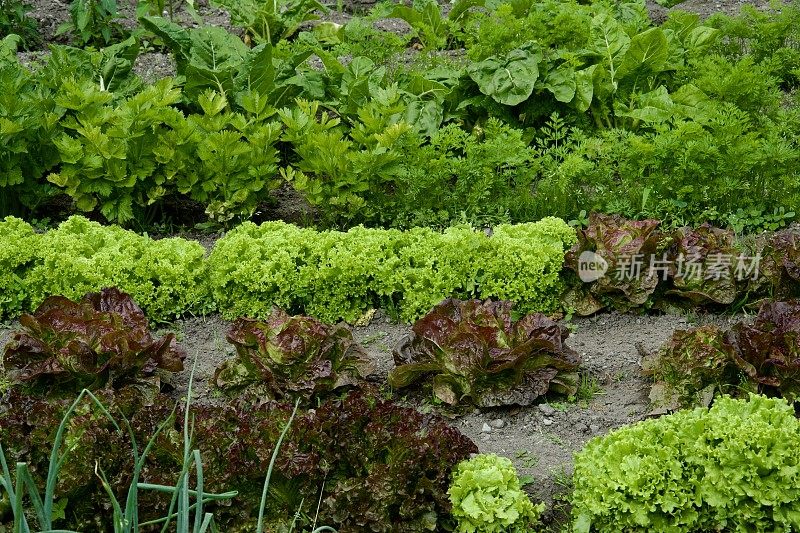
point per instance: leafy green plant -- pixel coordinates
(92, 22)
(292, 356)
(225, 160)
(432, 28)
(769, 36)
(334, 275)
(211, 58)
(99, 342)
(14, 19)
(338, 168)
(273, 20)
(487, 497)
(475, 351)
(26, 128)
(107, 152)
(16, 255)
(731, 466)
(166, 277)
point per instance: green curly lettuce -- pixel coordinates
(339, 275)
(487, 497)
(17, 248)
(734, 467)
(166, 277)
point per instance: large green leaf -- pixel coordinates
(653, 107)
(700, 38)
(174, 36)
(215, 58)
(647, 53)
(257, 74)
(461, 7)
(562, 83)
(609, 40)
(508, 79)
(584, 88)
(118, 61)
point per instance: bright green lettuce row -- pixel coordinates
(734, 467)
(339, 275)
(17, 247)
(166, 277)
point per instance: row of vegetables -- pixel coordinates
(356, 459)
(334, 276)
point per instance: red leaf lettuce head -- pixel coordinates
(474, 349)
(768, 352)
(291, 356)
(711, 248)
(101, 341)
(615, 240)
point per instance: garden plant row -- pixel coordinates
(331, 275)
(361, 460)
(335, 275)
(686, 121)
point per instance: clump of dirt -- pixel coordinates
(203, 338)
(154, 66)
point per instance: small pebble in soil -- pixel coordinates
(486, 428)
(581, 427)
(547, 422)
(594, 427)
(497, 423)
(546, 410)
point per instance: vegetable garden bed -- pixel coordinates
(478, 266)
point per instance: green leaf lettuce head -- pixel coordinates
(166, 277)
(487, 497)
(734, 467)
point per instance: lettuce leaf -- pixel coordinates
(102, 341)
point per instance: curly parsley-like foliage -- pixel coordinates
(339, 275)
(166, 277)
(732, 467)
(487, 497)
(291, 356)
(474, 350)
